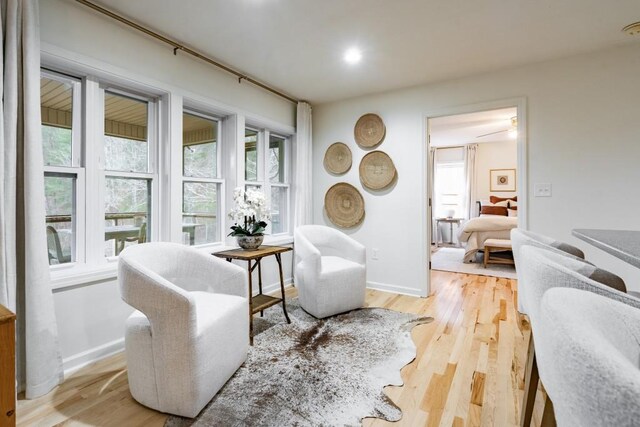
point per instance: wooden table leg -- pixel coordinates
(260, 282)
(250, 305)
(284, 305)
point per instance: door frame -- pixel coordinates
(520, 103)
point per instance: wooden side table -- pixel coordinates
(450, 221)
(7, 367)
(260, 302)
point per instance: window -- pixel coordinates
(278, 184)
(60, 109)
(266, 169)
(449, 189)
(128, 171)
(201, 182)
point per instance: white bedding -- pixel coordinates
(474, 232)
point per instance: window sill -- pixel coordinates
(82, 275)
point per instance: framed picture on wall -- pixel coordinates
(502, 180)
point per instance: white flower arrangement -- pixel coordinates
(250, 212)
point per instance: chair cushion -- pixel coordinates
(498, 243)
(212, 309)
(333, 264)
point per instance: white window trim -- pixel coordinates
(219, 179)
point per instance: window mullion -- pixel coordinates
(93, 115)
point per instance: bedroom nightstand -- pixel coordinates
(449, 221)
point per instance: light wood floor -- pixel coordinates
(468, 369)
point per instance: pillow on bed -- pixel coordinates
(504, 203)
(495, 199)
(494, 210)
(513, 204)
(512, 212)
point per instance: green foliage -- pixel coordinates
(252, 228)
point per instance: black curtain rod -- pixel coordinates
(177, 46)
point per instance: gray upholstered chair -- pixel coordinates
(543, 269)
(330, 270)
(589, 357)
(520, 238)
(191, 332)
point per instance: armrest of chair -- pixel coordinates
(220, 276)
(154, 296)
(351, 249)
(309, 254)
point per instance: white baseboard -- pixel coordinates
(73, 363)
(395, 289)
(77, 361)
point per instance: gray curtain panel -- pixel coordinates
(24, 268)
(470, 180)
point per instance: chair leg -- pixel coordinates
(548, 415)
(531, 380)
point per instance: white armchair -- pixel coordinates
(330, 270)
(191, 332)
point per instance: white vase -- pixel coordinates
(249, 243)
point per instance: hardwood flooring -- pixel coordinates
(468, 370)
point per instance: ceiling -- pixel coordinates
(297, 46)
(464, 129)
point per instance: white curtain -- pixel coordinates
(24, 265)
(303, 213)
(470, 180)
(433, 161)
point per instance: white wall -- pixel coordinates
(583, 138)
(91, 315)
(494, 155)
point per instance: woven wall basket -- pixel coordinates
(377, 170)
(337, 159)
(344, 205)
(369, 130)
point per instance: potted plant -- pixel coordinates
(250, 213)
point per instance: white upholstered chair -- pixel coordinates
(330, 269)
(590, 356)
(191, 330)
(542, 269)
(520, 238)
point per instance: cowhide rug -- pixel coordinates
(312, 372)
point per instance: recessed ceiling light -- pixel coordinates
(353, 55)
(632, 29)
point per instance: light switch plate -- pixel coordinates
(542, 190)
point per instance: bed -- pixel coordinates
(476, 231)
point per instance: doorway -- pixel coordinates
(476, 163)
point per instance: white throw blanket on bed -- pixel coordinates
(475, 231)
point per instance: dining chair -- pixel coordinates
(55, 248)
(544, 270)
(520, 238)
(590, 356)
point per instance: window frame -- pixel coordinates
(75, 170)
(152, 174)
(263, 181)
(218, 180)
